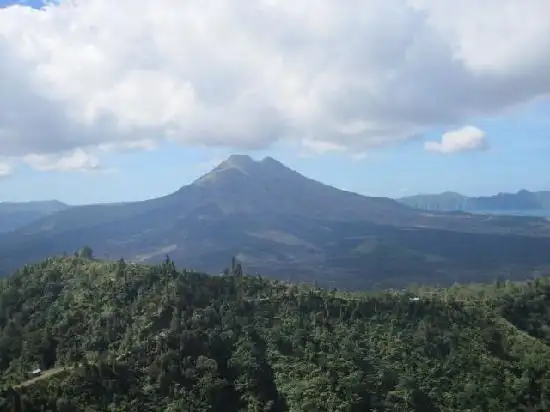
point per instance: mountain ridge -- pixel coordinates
(14, 215)
(522, 200)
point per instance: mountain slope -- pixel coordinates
(281, 223)
(15, 215)
(523, 201)
(238, 186)
(113, 336)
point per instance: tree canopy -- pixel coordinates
(118, 336)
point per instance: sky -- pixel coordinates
(105, 100)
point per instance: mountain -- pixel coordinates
(521, 203)
(14, 215)
(115, 336)
(278, 222)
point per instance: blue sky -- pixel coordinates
(512, 153)
(31, 3)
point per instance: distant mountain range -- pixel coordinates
(280, 223)
(14, 215)
(523, 202)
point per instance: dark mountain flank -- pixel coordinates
(280, 223)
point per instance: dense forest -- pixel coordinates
(118, 336)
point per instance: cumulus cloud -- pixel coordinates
(77, 160)
(465, 139)
(354, 74)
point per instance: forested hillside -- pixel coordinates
(115, 336)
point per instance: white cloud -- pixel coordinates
(349, 74)
(5, 169)
(359, 156)
(144, 144)
(465, 139)
(319, 147)
(77, 160)
(310, 148)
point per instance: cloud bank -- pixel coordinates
(81, 75)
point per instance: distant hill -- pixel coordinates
(14, 215)
(115, 336)
(280, 223)
(522, 202)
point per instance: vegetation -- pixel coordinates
(117, 336)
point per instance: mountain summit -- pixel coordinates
(241, 183)
(245, 165)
